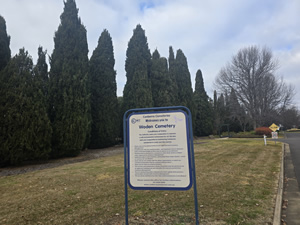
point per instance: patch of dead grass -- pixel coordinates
(236, 183)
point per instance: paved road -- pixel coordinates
(291, 197)
(293, 139)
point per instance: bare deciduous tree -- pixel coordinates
(251, 74)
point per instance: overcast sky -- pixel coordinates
(209, 32)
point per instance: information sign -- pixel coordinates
(159, 151)
(274, 135)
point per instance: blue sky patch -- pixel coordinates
(146, 5)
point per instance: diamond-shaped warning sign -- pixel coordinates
(273, 127)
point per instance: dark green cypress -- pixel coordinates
(203, 109)
(69, 97)
(4, 44)
(104, 102)
(41, 123)
(215, 100)
(171, 57)
(172, 76)
(161, 84)
(25, 131)
(221, 106)
(183, 81)
(216, 114)
(219, 112)
(137, 91)
(41, 72)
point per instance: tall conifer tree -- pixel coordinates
(41, 83)
(137, 91)
(4, 44)
(216, 114)
(221, 112)
(104, 102)
(183, 81)
(204, 113)
(25, 131)
(161, 84)
(69, 101)
(41, 123)
(41, 72)
(171, 57)
(172, 76)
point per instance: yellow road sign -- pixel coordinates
(273, 127)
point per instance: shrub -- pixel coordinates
(247, 134)
(263, 131)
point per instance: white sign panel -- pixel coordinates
(159, 151)
(274, 135)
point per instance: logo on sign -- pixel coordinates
(133, 120)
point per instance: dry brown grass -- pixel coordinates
(236, 182)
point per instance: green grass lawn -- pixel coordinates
(236, 183)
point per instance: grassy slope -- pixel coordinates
(236, 183)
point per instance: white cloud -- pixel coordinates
(31, 23)
(209, 32)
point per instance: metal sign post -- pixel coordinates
(159, 151)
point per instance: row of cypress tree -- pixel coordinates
(154, 81)
(74, 105)
(25, 129)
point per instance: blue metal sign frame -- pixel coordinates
(187, 187)
(192, 173)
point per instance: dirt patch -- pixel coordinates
(85, 155)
